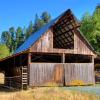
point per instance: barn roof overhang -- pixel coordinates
(14, 55)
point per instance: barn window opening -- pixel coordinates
(63, 33)
(77, 58)
(48, 58)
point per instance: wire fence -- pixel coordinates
(11, 82)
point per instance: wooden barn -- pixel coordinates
(57, 54)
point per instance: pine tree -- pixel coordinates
(19, 37)
(45, 17)
(29, 30)
(38, 23)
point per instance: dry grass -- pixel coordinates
(44, 93)
(47, 93)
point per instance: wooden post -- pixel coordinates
(14, 61)
(63, 58)
(20, 60)
(63, 61)
(29, 61)
(93, 69)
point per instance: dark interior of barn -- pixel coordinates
(64, 33)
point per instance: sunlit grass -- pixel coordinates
(47, 93)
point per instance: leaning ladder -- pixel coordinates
(24, 77)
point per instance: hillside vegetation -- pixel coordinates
(4, 51)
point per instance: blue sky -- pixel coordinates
(20, 12)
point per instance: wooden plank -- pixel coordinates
(45, 44)
(79, 74)
(63, 58)
(46, 74)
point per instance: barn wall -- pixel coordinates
(80, 47)
(45, 44)
(45, 74)
(79, 74)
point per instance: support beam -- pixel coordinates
(14, 62)
(20, 60)
(29, 59)
(93, 68)
(28, 67)
(63, 58)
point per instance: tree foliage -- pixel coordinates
(13, 38)
(90, 26)
(45, 17)
(4, 51)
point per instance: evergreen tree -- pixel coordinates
(45, 17)
(29, 30)
(38, 23)
(19, 37)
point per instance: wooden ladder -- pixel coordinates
(24, 77)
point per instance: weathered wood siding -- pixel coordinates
(79, 74)
(45, 74)
(45, 44)
(80, 47)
